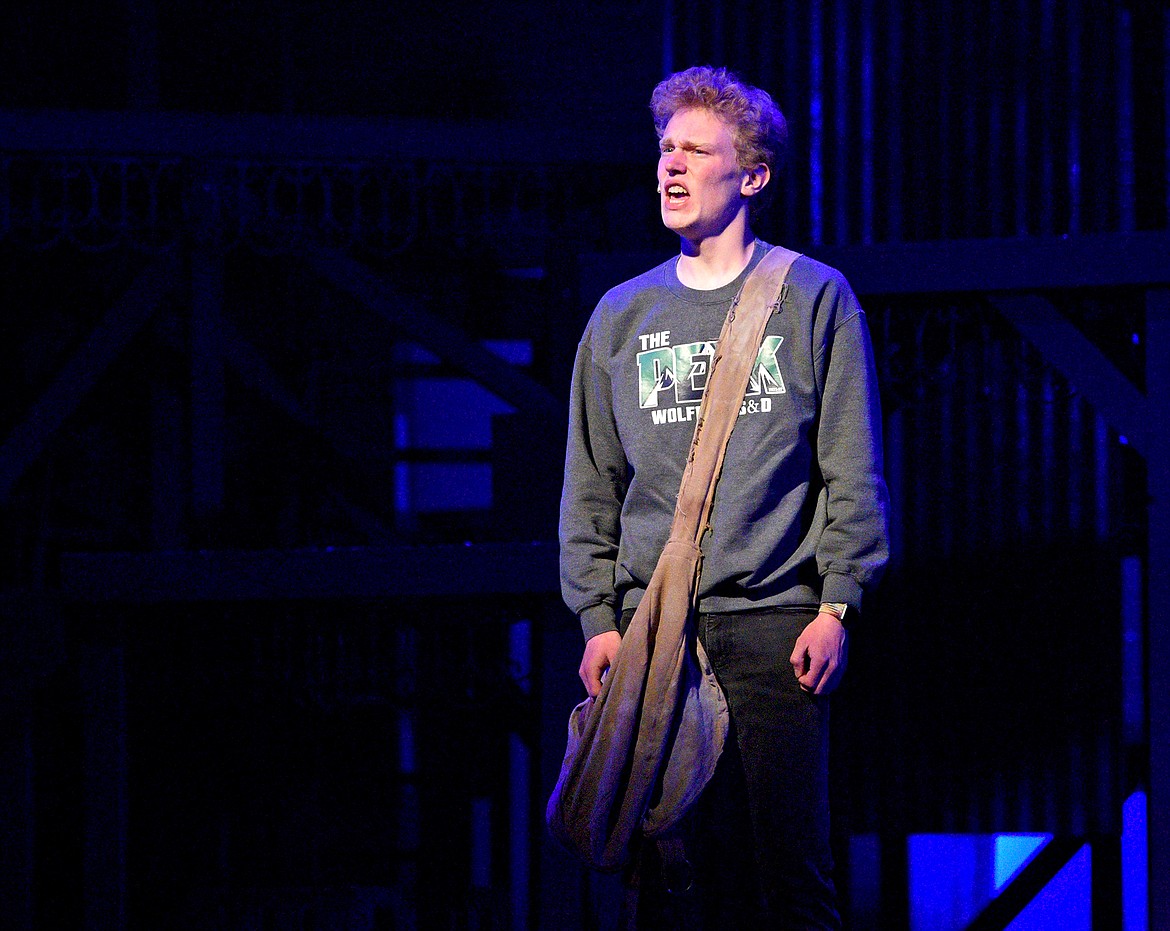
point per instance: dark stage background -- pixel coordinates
(289, 294)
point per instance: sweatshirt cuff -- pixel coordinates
(838, 588)
(598, 619)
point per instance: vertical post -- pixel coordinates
(895, 880)
(22, 624)
(936, 213)
(792, 43)
(973, 154)
(409, 808)
(142, 55)
(716, 30)
(1135, 873)
(996, 157)
(563, 887)
(1133, 655)
(1166, 108)
(103, 692)
(168, 481)
(816, 126)
(1074, 69)
(1158, 601)
(1126, 168)
(1048, 153)
(867, 122)
(207, 374)
(667, 37)
(1023, 32)
(843, 65)
(405, 517)
(1105, 880)
(895, 190)
(519, 768)
(17, 802)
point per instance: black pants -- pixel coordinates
(756, 848)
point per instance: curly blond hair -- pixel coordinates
(758, 128)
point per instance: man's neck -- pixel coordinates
(717, 260)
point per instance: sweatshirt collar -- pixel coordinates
(721, 295)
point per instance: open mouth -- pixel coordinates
(675, 193)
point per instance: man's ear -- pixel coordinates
(754, 180)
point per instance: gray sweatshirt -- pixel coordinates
(801, 507)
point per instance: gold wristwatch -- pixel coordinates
(835, 608)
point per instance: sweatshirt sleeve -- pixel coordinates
(854, 547)
(592, 495)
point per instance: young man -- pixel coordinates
(799, 528)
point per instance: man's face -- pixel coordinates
(702, 183)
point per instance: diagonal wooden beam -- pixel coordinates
(1063, 346)
(117, 328)
(1098, 260)
(252, 367)
(435, 334)
(1016, 896)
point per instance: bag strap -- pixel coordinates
(761, 295)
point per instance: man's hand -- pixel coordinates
(600, 652)
(821, 653)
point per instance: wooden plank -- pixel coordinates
(1023, 263)
(325, 138)
(1106, 260)
(332, 573)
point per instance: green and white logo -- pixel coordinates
(678, 374)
